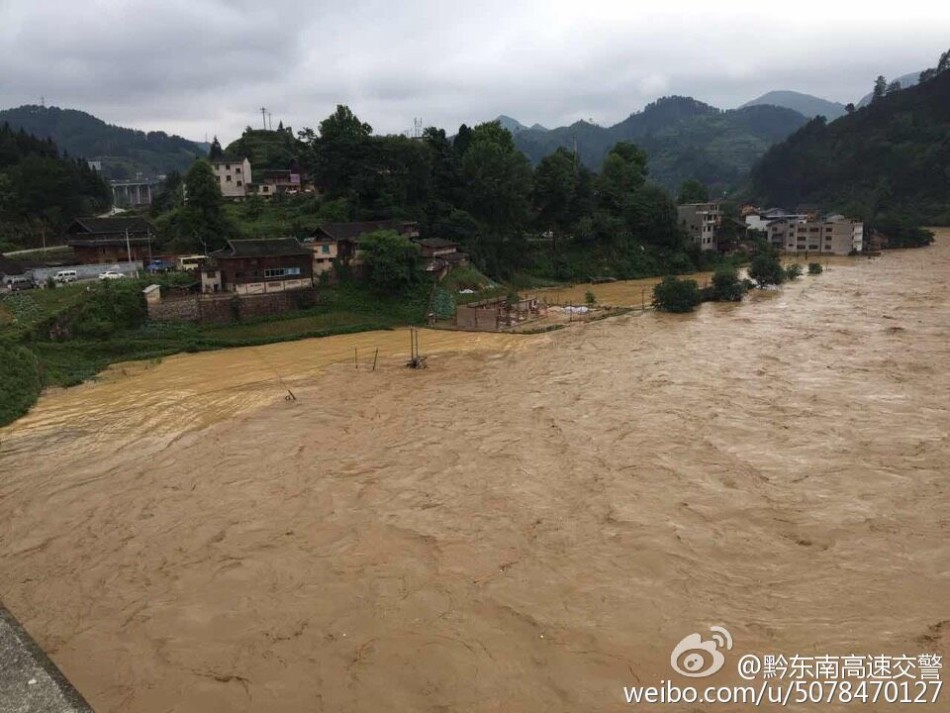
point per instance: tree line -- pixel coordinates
(41, 189)
(559, 219)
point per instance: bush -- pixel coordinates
(590, 298)
(815, 268)
(726, 286)
(20, 381)
(793, 271)
(766, 270)
(673, 295)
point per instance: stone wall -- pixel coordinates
(226, 308)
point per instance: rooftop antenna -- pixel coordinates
(264, 116)
(417, 127)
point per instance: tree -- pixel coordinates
(554, 185)
(674, 295)
(624, 171)
(894, 86)
(726, 284)
(793, 271)
(766, 269)
(849, 107)
(344, 124)
(393, 262)
(215, 152)
(692, 191)
(815, 268)
(880, 88)
(202, 220)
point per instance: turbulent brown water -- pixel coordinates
(530, 524)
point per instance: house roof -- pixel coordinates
(436, 243)
(352, 231)
(226, 160)
(271, 247)
(10, 267)
(109, 226)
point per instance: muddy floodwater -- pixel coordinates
(530, 524)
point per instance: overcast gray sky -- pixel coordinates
(198, 67)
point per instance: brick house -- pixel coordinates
(253, 267)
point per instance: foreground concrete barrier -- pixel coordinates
(29, 681)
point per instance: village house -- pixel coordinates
(439, 254)
(110, 240)
(834, 235)
(9, 269)
(701, 221)
(340, 241)
(272, 182)
(234, 177)
(254, 267)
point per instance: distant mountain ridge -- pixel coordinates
(515, 126)
(122, 152)
(807, 105)
(684, 138)
(906, 80)
(889, 160)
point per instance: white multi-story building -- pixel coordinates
(834, 235)
(233, 177)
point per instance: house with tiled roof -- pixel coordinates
(103, 241)
(341, 241)
(249, 267)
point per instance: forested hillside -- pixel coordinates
(683, 138)
(41, 190)
(122, 152)
(885, 162)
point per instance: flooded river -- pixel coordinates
(530, 524)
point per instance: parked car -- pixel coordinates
(111, 275)
(65, 276)
(15, 284)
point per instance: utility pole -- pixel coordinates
(128, 246)
(264, 116)
(270, 122)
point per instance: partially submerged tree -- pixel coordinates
(726, 285)
(675, 295)
(766, 269)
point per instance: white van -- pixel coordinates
(64, 276)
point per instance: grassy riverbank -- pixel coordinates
(64, 336)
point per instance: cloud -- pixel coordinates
(202, 67)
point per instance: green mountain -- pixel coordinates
(123, 153)
(41, 191)
(805, 104)
(888, 160)
(683, 138)
(267, 149)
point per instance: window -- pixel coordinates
(227, 167)
(237, 169)
(266, 189)
(325, 249)
(239, 183)
(227, 179)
